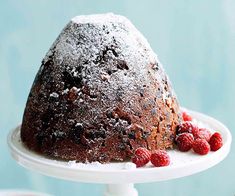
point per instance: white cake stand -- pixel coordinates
(120, 177)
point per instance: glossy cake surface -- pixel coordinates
(99, 94)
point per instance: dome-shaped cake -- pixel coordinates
(99, 94)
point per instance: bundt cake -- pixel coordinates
(99, 94)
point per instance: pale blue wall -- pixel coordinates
(195, 41)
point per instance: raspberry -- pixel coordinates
(201, 133)
(186, 117)
(141, 157)
(160, 158)
(201, 146)
(185, 142)
(187, 127)
(216, 141)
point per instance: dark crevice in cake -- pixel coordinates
(146, 134)
(111, 71)
(103, 57)
(165, 88)
(154, 66)
(70, 80)
(122, 65)
(76, 133)
(159, 93)
(93, 96)
(103, 144)
(47, 118)
(109, 113)
(124, 132)
(172, 110)
(40, 137)
(131, 135)
(49, 62)
(142, 92)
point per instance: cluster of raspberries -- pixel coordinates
(189, 136)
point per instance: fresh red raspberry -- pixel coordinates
(201, 133)
(185, 142)
(201, 146)
(187, 127)
(141, 157)
(186, 116)
(160, 158)
(216, 141)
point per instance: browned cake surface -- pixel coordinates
(100, 93)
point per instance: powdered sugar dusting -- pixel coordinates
(65, 91)
(97, 165)
(89, 40)
(99, 18)
(129, 166)
(74, 164)
(54, 95)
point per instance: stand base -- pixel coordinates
(120, 190)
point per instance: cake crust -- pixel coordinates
(100, 93)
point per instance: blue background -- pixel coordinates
(195, 40)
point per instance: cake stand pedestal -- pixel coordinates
(120, 177)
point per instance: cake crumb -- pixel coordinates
(54, 94)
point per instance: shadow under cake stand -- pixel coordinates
(119, 177)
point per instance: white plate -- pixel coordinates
(182, 164)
